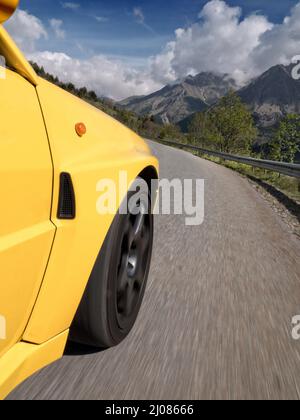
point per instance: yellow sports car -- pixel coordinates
(66, 269)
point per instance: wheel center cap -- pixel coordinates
(131, 265)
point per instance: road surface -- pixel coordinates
(216, 321)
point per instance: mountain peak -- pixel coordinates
(273, 94)
(269, 96)
(182, 98)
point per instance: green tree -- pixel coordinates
(202, 131)
(82, 92)
(234, 123)
(70, 87)
(92, 95)
(171, 132)
(286, 143)
(228, 127)
(148, 128)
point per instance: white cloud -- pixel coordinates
(101, 19)
(70, 5)
(141, 20)
(222, 40)
(108, 77)
(280, 44)
(139, 15)
(26, 30)
(56, 25)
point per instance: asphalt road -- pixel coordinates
(216, 321)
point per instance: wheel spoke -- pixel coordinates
(122, 276)
(130, 233)
(140, 274)
(129, 298)
(120, 254)
(146, 239)
(138, 226)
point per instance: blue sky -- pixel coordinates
(122, 48)
(120, 33)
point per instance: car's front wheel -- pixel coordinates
(115, 291)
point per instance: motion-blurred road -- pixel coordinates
(216, 321)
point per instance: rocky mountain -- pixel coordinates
(272, 95)
(175, 102)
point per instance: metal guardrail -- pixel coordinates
(289, 169)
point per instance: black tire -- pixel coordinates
(105, 316)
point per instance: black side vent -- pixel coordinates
(66, 204)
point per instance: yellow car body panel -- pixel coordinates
(26, 232)
(45, 262)
(105, 150)
(24, 359)
(14, 57)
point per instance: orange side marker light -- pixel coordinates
(80, 129)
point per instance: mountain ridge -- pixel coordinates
(176, 101)
(269, 96)
(272, 95)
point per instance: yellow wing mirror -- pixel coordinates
(7, 8)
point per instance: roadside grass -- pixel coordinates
(288, 186)
(284, 184)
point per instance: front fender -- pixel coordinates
(105, 150)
